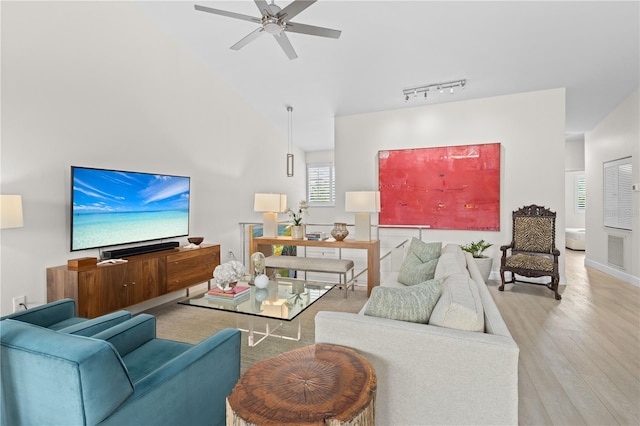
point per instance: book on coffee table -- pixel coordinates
(237, 291)
(233, 301)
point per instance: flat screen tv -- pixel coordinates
(113, 207)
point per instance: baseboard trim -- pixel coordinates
(613, 272)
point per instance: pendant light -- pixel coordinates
(290, 142)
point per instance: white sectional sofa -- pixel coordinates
(429, 374)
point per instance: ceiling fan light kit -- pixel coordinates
(451, 85)
(277, 22)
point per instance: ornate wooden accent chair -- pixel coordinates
(533, 248)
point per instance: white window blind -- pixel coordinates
(321, 185)
(580, 194)
(617, 193)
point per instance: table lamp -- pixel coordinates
(11, 211)
(363, 203)
(270, 205)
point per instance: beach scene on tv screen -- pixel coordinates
(115, 207)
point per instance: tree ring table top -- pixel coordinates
(314, 385)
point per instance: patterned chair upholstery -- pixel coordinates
(532, 252)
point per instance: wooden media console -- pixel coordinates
(100, 289)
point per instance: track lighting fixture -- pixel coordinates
(451, 85)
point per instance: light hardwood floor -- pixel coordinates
(579, 357)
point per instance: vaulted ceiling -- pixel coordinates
(592, 48)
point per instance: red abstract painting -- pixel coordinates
(455, 187)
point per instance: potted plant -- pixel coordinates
(477, 248)
(297, 230)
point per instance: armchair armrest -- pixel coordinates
(96, 325)
(506, 247)
(130, 334)
(189, 389)
(46, 315)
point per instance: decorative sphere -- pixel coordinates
(262, 294)
(261, 281)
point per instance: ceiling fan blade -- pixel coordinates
(284, 42)
(263, 7)
(248, 39)
(295, 8)
(312, 30)
(227, 13)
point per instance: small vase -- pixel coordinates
(297, 232)
(339, 231)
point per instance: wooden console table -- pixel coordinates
(315, 385)
(100, 289)
(265, 244)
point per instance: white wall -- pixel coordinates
(617, 136)
(530, 127)
(97, 84)
(574, 167)
(574, 155)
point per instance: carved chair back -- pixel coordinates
(534, 229)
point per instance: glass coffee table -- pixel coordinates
(283, 300)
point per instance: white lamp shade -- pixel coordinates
(11, 211)
(362, 201)
(270, 203)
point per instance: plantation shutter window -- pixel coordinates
(617, 190)
(321, 186)
(580, 194)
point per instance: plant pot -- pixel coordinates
(297, 232)
(484, 266)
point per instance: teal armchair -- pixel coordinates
(54, 315)
(124, 375)
(61, 316)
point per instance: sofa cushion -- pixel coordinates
(457, 250)
(459, 305)
(419, 264)
(449, 264)
(412, 304)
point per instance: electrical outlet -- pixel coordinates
(230, 255)
(18, 302)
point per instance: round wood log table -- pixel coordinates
(315, 385)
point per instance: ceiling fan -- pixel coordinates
(276, 22)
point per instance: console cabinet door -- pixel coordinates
(102, 290)
(143, 281)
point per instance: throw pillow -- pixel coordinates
(459, 306)
(412, 304)
(419, 264)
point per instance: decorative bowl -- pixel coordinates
(195, 240)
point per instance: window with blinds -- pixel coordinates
(580, 194)
(321, 184)
(617, 189)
